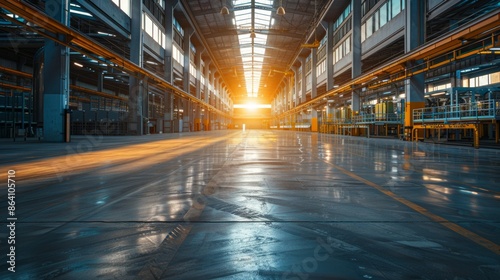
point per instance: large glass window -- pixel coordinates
(251, 47)
(380, 17)
(396, 7)
(342, 50)
(383, 14)
(124, 5)
(369, 27)
(178, 55)
(153, 29)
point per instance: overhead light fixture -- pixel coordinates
(252, 34)
(224, 11)
(77, 64)
(281, 10)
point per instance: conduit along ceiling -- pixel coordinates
(253, 44)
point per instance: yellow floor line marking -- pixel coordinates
(454, 227)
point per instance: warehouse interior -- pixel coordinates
(252, 139)
(427, 71)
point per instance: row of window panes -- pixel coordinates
(342, 17)
(438, 87)
(321, 52)
(192, 69)
(152, 29)
(381, 16)
(342, 50)
(178, 26)
(321, 68)
(124, 5)
(178, 55)
(308, 79)
(484, 80)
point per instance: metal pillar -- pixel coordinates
(314, 120)
(198, 72)
(135, 100)
(414, 37)
(329, 56)
(356, 39)
(56, 78)
(303, 79)
(314, 78)
(187, 49)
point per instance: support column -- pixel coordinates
(356, 53)
(356, 39)
(289, 90)
(135, 100)
(303, 79)
(329, 57)
(169, 39)
(314, 78)
(355, 103)
(187, 59)
(414, 37)
(314, 120)
(295, 76)
(198, 72)
(207, 80)
(56, 77)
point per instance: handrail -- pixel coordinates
(479, 110)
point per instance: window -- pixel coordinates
(178, 55)
(342, 50)
(321, 68)
(369, 27)
(383, 14)
(178, 27)
(153, 30)
(381, 17)
(396, 7)
(124, 5)
(192, 69)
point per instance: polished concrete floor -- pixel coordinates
(255, 204)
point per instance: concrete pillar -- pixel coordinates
(187, 54)
(169, 39)
(414, 37)
(56, 77)
(329, 56)
(314, 80)
(356, 39)
(314, 120)
(456, 80)
(356, 52)
(295, 70)
(207, 79)
(136, 86)
(355, 102)
(303, 78)
(198, 72)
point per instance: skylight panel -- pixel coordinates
(252, 48)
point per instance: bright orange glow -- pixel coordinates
(252, 106)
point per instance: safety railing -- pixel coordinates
(375, 118)
(479, 110)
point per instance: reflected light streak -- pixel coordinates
(115, 160)
(435, 179)
(468, 192)
(439, 189)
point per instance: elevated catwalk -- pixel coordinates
(255, 204)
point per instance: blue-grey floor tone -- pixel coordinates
(255, 204)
